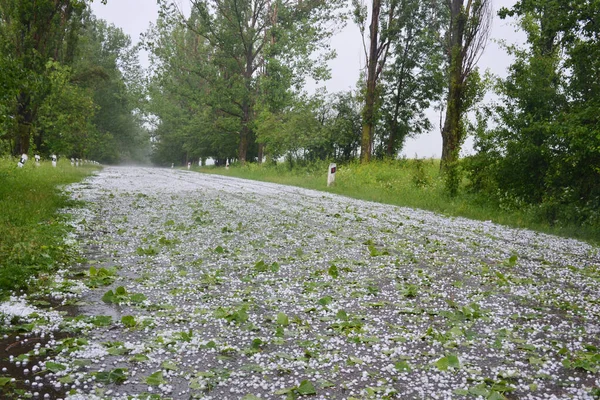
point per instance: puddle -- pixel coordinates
(29, 380)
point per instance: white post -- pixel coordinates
(37, 160)
(172, 165)
(72, 162)
(331, 174)
(189, 165)
(53, 157)
(227, 164)
(22, 161)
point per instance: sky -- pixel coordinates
(134, 17)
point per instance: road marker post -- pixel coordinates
(22, 161)
(37, 160)
(53, 157)
(331, 174)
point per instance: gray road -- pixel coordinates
(236, 289)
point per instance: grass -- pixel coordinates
(31, 230)
(408, 183)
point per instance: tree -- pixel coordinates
(545, 149)
(414, 77)
(403, 71)
(466, 37)
(32, 34)
(381, 34)
(249, 38)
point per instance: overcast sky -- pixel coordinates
(134, 17)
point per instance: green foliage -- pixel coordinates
(121, 296)
(543, 153)
(32, 231)
(207, 91)
(117, 375)
(72, 84)
(101, 276)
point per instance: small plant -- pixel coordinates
(419, 177)
(101, 276)
(122, 296)
(238, 315)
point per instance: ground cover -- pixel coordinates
(410, 183)
(200, 286)
(31, 229)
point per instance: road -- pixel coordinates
(219, 288)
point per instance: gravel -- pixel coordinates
(229, 289)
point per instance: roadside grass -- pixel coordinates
(31, 230)
(414, 183)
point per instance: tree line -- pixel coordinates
(70, 85)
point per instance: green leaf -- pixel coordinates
(128, 321)
(324, 301)
(342, 315)
(453, 361)
(109, 297)
(138, 297)
(55, 367)
(306, 388)
(333, 271)
(102, 320)
(4, 380)
(139, 358)
(155, 379)
(251, 397)
(169, 365)
(66, 379)
(479, 390)
(402, 366)
(275, 267)
(282, 319)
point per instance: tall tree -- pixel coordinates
(34, 33)
(381, 34)
(414, 77)
(246, 36)
(403, 70)
(466, 37)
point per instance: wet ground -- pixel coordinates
(198, 286)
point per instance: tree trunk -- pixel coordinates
(451, 131)
(244, 133)
(366, 146)
(24, 123)
(392, 140)
(261, 152)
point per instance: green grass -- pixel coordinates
(31, 230)
(409, 183)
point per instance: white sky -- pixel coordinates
(134, 17)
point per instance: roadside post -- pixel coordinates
(37, 160)
(189, 165)
(331, 174)
(22, 161)
(53, 157)
(172, 165)
(227, 164)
